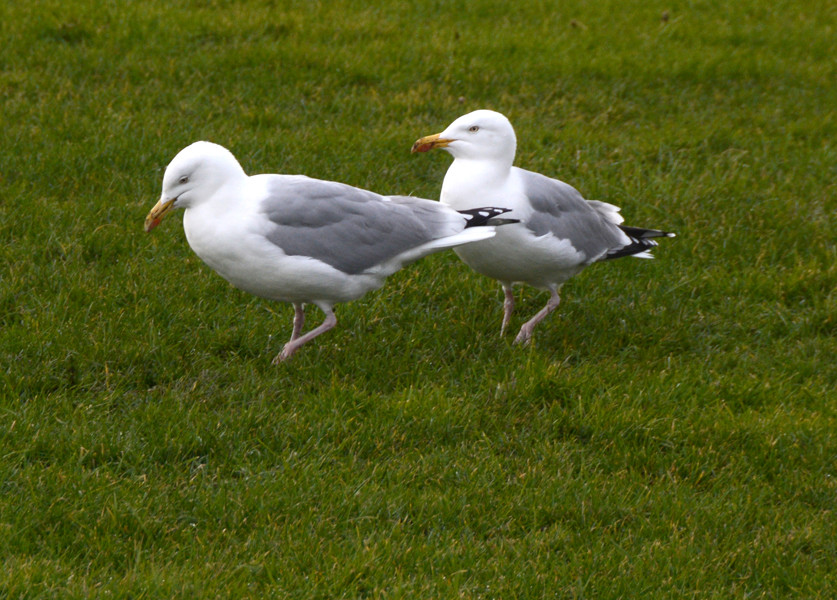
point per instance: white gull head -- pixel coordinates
(197, 172)
(479, 135)
(193, 177)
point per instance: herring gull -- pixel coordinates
(300, 240)
(559, 232)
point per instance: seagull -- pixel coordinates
(559, 232)
(295, 239)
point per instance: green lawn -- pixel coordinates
(671, 432)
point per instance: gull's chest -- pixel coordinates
(212, 236)
(227, 243)
(472, 185)
(465, 189)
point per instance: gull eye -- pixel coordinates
(184, 179)
(474, 128)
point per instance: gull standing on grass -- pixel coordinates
(300, 240)
(559, 232)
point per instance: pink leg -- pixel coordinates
(293, 345)
(508, 306)
(299, 320)
(525, 334)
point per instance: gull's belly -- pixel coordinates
(515, 254)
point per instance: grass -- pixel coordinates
(670, 433)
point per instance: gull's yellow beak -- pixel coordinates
(429, 142)
(160, 210)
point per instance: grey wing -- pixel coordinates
(560, 210)
(440, 220)
(346, 227)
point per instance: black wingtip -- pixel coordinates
(641, 233)
(641, 241)
(487, 215)
(636, 246)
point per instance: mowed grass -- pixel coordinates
(669, 434)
